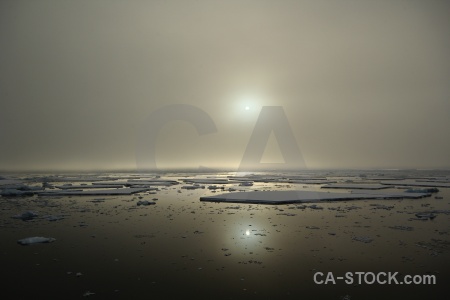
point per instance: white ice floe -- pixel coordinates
(355, 186)
(80, 187)
(35, 240)
(145, 203)
(26, 216)
(88, 294)
(193, 187)
(425, 216)
(300, 196)
(9, 181)
(416, 183)
(424, 190)
(401, 227)
(364, 239)
(392, 194)
(305, 181)
(124, 191)
(210, 181)
(53, 218)
(137, 182)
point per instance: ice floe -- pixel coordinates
(124, 191)
(193, 187)
(84, 186)
(5, 181)
(210, 181)
(145, 203)
(35, 240)
(363, 239)
(26, 216)
(400, 227)
(54, 218)
(425, 216)
(137, 182)
(17, 192)
(424, 190)
(416, 183)
(355, 186)
(299, 196)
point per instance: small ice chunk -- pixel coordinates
(364, 239)
(287, 214)
(381, 206)
(425, 216)
(213, 187)
(54, 218)
(145, 202)
(312, 227)
(400, 227)
(35, 240)
(193, 187)
(26, 216)
(314, 206)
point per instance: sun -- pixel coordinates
(246, 105)
(249, 101)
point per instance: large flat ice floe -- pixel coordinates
(136, 182)
(359, 186)
(416, 183)
(210, 181)
(297, 196)
(5, 182)
(124, 191)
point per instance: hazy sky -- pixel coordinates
(363, 83)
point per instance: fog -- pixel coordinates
(363, 84)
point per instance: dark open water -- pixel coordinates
(183, 248)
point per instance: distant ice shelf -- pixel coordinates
(298, 196)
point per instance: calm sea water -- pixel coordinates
(108, 247)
